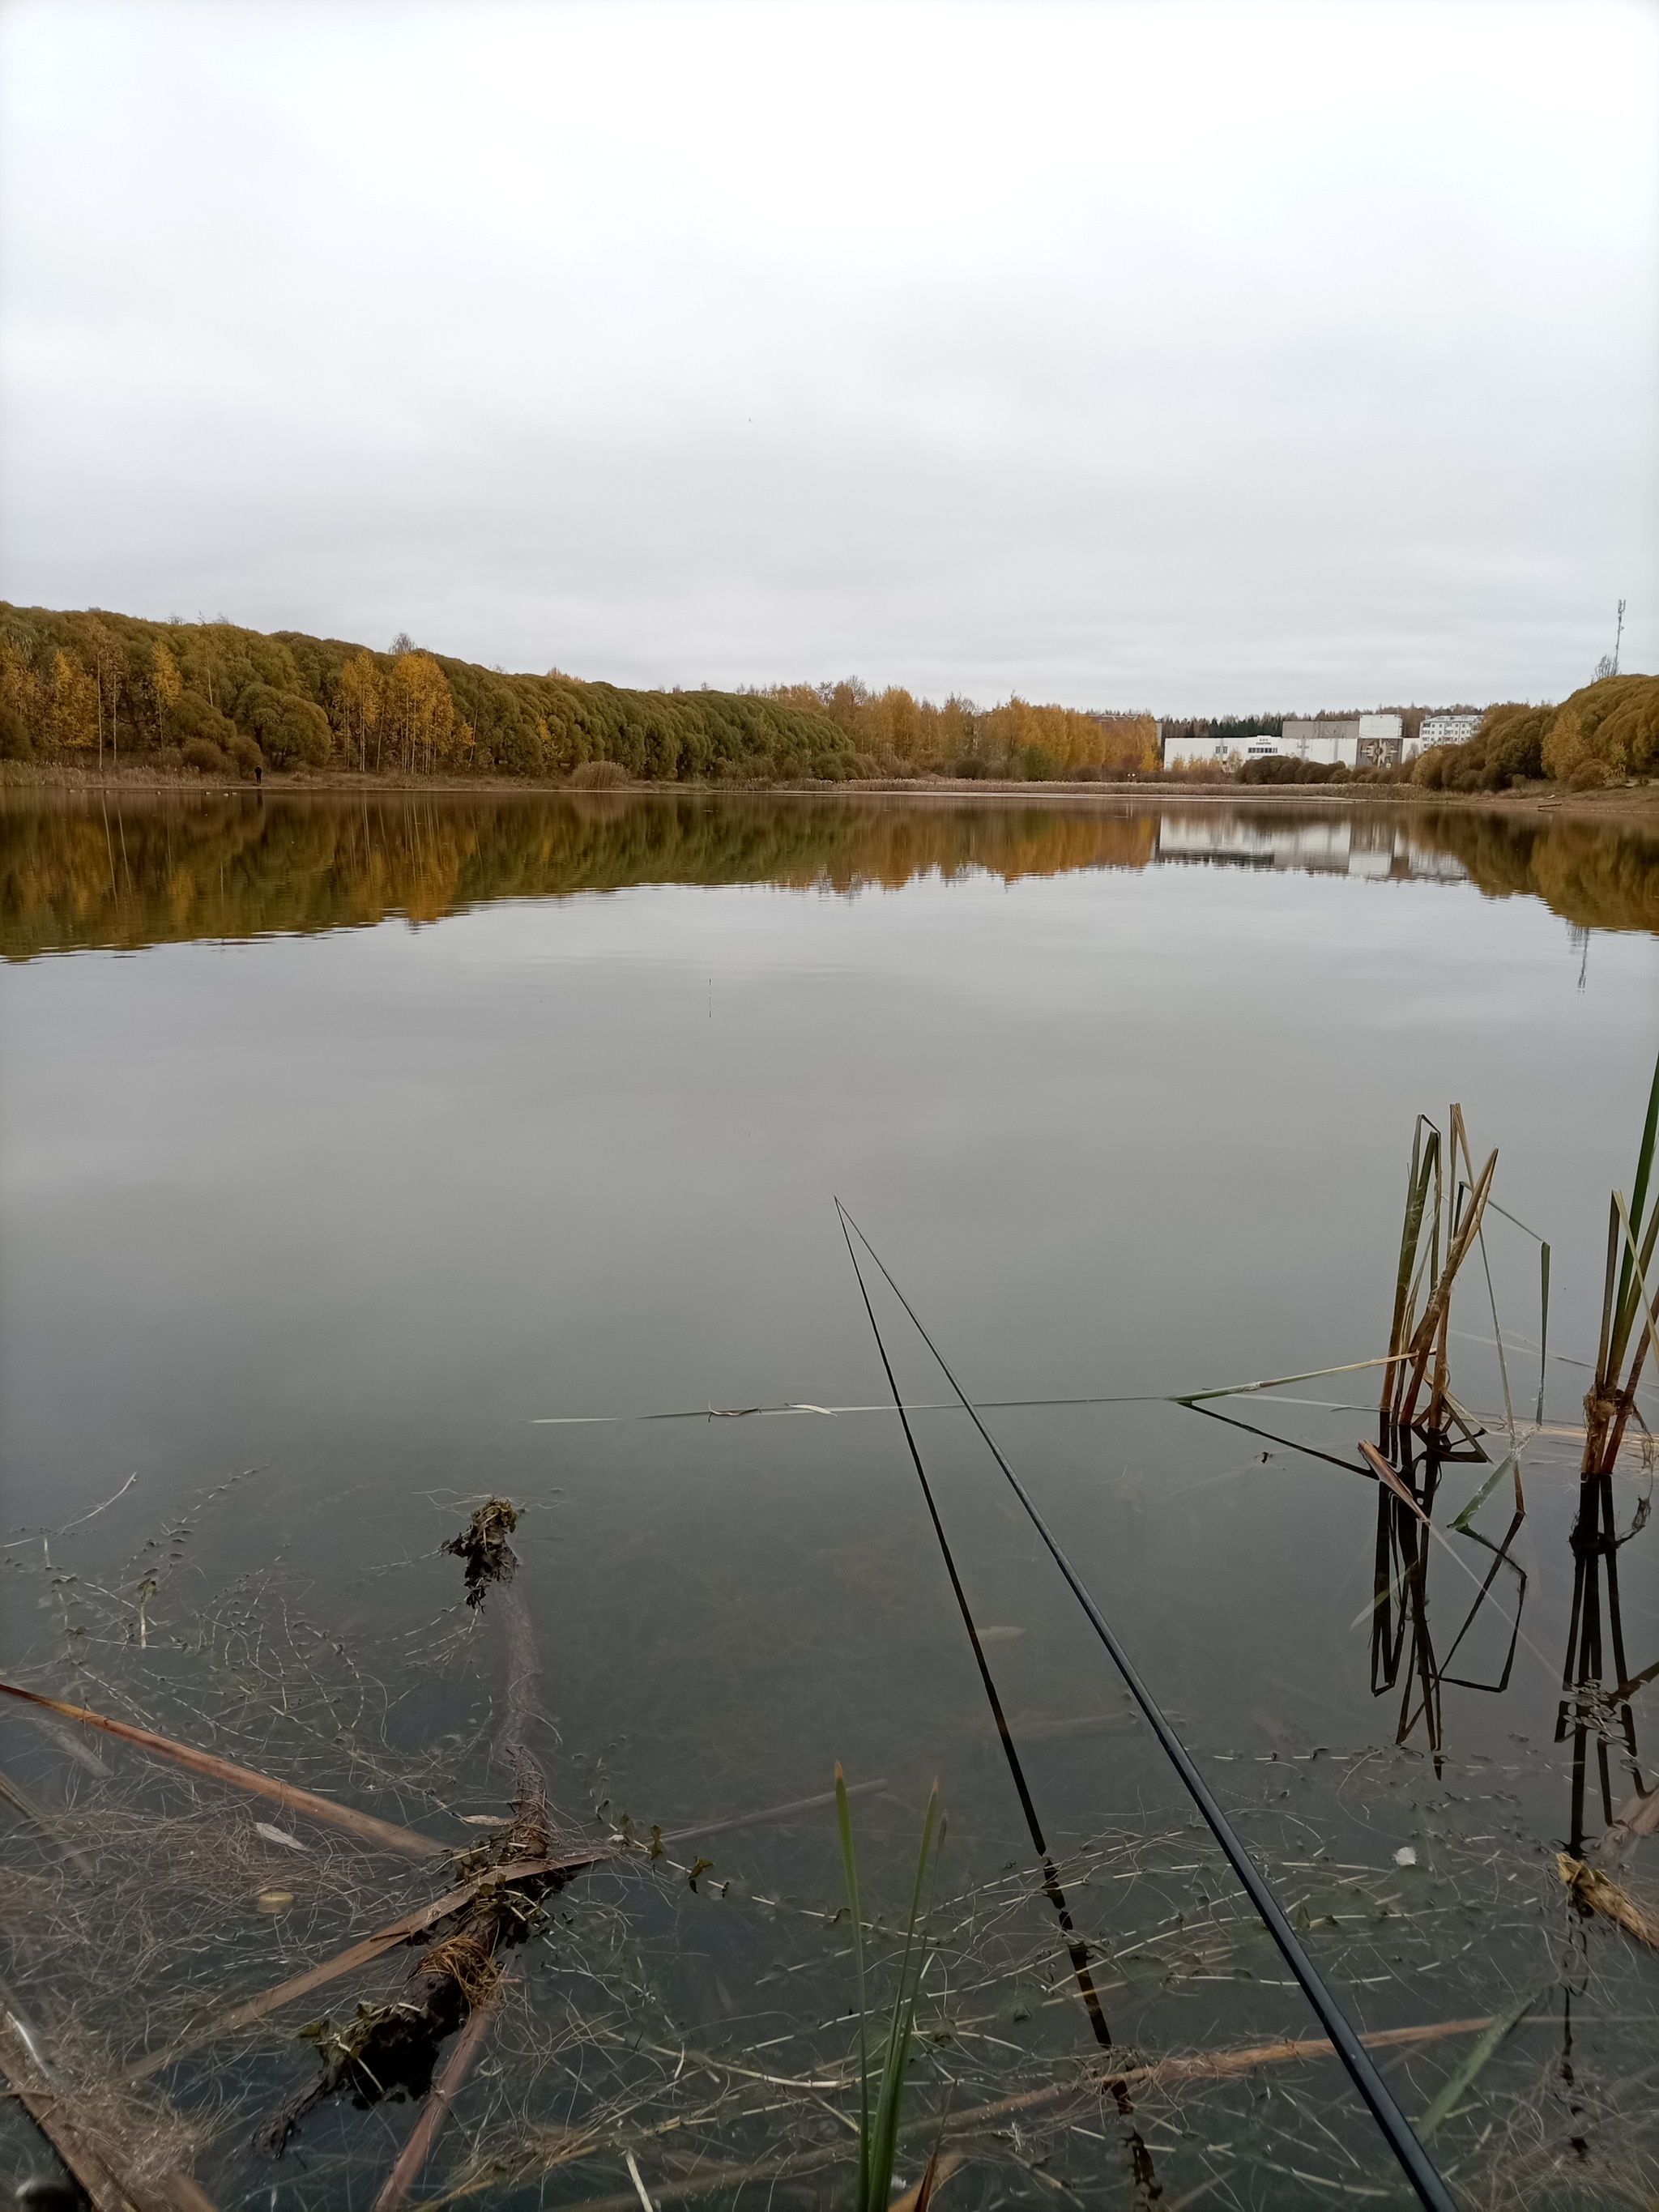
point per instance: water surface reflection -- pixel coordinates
(309, 1224)
(129, 872)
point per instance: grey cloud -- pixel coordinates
(1171, 356)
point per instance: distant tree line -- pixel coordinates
(228, 702)
(1232, 732)
(1035, 743)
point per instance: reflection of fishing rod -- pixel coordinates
(1074, 1944)
(1419, 2167)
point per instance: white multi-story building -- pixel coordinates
(1444, 730)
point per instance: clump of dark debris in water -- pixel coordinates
(482, 1544)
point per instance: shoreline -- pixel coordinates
(1635, 804)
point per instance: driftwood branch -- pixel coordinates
(391, 2048)
(363, 1953)
(416, 2152)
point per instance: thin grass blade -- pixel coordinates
(1643, 1170)
(850, 1866)
(1505, 1466)
(885, 2139)
(1457, 2086)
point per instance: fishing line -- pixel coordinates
(990, 1405)
(1414, 2160)
(799, 1406)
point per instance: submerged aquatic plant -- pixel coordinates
(878, 2129)
(482, 1544)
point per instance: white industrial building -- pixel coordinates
(1357, 740)
(1353, 740)
(1181, 750)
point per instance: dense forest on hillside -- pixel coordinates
(227, 703)
(77, 871)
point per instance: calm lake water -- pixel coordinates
(361, 1160)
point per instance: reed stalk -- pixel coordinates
(1630, 1240)
(878, 2126)
(1424, 1171)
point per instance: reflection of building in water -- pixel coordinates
(1379, 850)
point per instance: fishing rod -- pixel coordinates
(1076, 1948)
(1418, 2168)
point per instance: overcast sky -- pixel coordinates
(1182, 357)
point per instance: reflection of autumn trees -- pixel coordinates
(81, 871)
(84, 871)
(1594, 874)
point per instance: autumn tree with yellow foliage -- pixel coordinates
(359, 708)
(225, 702)
(901, 735)
(1606, 733)
(73, 715)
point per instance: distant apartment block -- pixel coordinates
(1447, 730)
